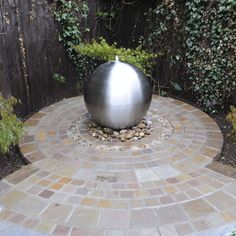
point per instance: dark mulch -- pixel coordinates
(228, 155)
(11, 162)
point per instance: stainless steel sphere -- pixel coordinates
(117, 95)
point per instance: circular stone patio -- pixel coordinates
(156, 186)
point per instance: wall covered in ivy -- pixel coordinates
(195, 41)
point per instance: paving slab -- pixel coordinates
(158, 185)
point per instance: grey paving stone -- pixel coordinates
(8, 229)
(115, 233)
(144, 175)
(144, 218)
(171, 214)
(165, 172)
(114, 219)
(221, 231)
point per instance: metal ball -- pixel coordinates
(117, 95)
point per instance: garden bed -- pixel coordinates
(11, 161)
(228, 155)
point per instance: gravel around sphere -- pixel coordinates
(141, 130)
(153, 130)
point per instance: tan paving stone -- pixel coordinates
(30, 223)
(166, 200)
(28, 148)
(41, 135)
(228, 217)
(170, 189)
(184, 228)
(57, 213)
(44, 183)
(16, 218)
(83, 217)
(221, 200)
(120, 204)
(31, 206)
(151, 202)
(104, 203)
(61, 230)
(204, 188)
(45, 226)
(89, 202)
(21, 176)
(201, 225)
(12, 198)
(35, 156)
(198, 208)
(192, 193)
(31, 122)
(81, 232)
(56, 186)
(4, 214)
(171, 214)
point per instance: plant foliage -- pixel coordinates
(164, 34)
(59, 78)
(211, 50)
(105, 52)
(231, 117)
(70, 15)
(11, 129)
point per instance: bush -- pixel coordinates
(103, 51)
(11, 129)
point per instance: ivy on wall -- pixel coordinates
(164, 35)
(194, 37)
(211, 50)
(200, 36)
(71, 15)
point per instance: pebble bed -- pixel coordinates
(153, 130)
(141, 130)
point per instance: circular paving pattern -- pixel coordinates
(90, 187)
(161, 129)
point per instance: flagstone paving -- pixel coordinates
(85, 188)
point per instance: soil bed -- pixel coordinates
(228, 155)
(11, 161)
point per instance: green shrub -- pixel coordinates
(231, 117)
(11, 129)
(59, 78)
(105, 52)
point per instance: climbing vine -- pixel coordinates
(71, 16)
(195, 39)
(164, 35)
(211, 50)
